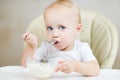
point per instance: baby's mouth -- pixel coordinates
(54, 42)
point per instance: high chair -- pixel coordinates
(98, 31)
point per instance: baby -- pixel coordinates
(63, 24)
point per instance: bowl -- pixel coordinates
(40, 70)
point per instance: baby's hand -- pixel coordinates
(66, 66)
(30, 39)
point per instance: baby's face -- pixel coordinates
(62, 26)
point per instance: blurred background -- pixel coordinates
(16, 15)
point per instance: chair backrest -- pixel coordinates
(98, 31)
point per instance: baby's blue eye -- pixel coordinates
(49, 28)
(62, 27)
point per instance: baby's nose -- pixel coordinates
(55, 33)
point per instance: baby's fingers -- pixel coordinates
(25, 35)
(28, 36)
(32, 39)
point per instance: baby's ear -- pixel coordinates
(79, 27)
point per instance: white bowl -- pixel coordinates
(40, 70)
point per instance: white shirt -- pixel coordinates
(80, 52)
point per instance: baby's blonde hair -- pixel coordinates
(65, 3)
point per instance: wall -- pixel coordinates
(15, 16)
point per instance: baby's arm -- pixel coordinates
(31, 45)
(90, 68)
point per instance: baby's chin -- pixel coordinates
(61, 47)
(65, 48)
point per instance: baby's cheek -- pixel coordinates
(49, 37)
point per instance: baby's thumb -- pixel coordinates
(58, 68)
(24, 36)
(59, 62)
